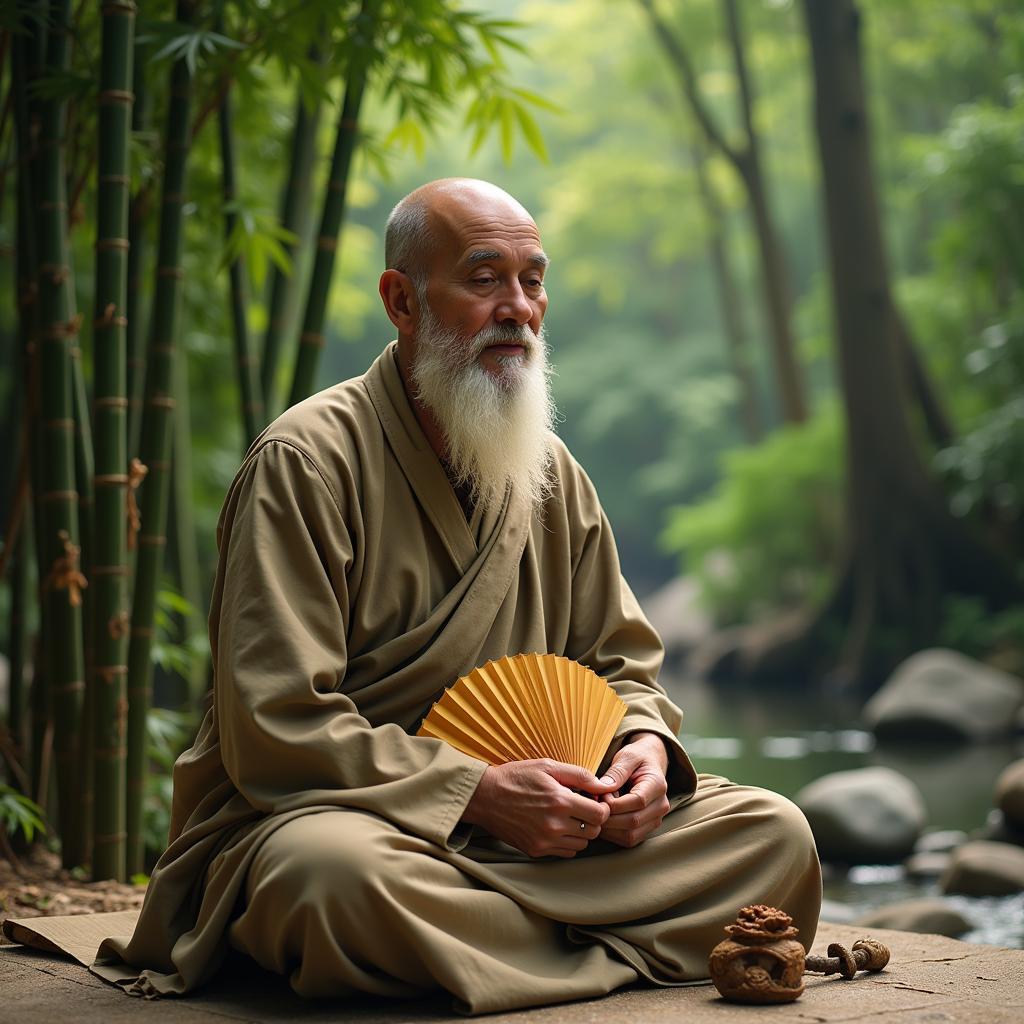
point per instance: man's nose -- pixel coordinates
(514, 306)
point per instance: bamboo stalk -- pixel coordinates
(182, 541)
(84, 473)
(24, 290)
(63, 582)
(249, 388)
(28, 49)
(138, 211)
(155, 443)
(110, 571)
(294, 214)
(312, 338)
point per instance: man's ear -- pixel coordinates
(399, 298)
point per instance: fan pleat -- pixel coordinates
(528, 706)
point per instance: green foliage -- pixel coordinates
(970, 627)
(179, 640)
(167, 735)
(20, 814)
(768, 538)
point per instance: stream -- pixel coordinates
(783, 741)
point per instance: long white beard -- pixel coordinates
(497, 428)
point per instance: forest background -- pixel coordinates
(845, 486)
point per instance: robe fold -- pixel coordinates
(350, 591)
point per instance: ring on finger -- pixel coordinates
(583, 826)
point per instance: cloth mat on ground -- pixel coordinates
(76, 935)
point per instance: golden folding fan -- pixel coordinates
(528, 706)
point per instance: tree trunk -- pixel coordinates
(774, 277)
(311, 340)
(747, 163)
(155, 444)
(905, 550)
(63, 581)
(110, 566)
(250, 390)
(294, 216)
(919, 385)
(729, 302)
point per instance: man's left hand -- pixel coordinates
(638, 771)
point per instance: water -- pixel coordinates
(783, 741)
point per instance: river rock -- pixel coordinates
(943, 840)
(941, 694)
(998, 830)
(984, 868)
(864, 816)
(927, 864)
(928, 916)
(1009, 796)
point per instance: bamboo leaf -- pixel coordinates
(19, 813)
(507, 126)
(531, 131)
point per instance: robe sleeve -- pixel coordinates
(290, 737)
(609, 632)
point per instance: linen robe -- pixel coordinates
(351, 589)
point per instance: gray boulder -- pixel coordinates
(1009, 795)
(984, 868)
(927, 864)
(864, 816)
(928, 916)
(940, 841)
(940, 694)
(998, 830)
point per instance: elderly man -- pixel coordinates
(380, 540)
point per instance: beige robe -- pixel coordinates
(350, 591)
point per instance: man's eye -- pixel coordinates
(483, 280)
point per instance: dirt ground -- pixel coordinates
(40, 887)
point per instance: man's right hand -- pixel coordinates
(531, 805)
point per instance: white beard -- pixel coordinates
(497, 429)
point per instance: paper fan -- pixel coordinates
(528, 706)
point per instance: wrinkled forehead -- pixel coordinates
(467, 224)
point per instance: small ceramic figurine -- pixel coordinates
(761, 961)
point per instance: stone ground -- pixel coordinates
(929, 980)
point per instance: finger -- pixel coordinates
(592, 812)
(645, 791)
(583, 829)
(636, 819)
(573, 777)
(622, 767)
(626, 804)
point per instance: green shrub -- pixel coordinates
(768, 537)
(20, 814)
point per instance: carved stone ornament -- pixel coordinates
(761, 961)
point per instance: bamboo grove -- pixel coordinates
(101, 399)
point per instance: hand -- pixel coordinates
(531, 805)
(638, 768)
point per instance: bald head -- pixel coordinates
(434, 215)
